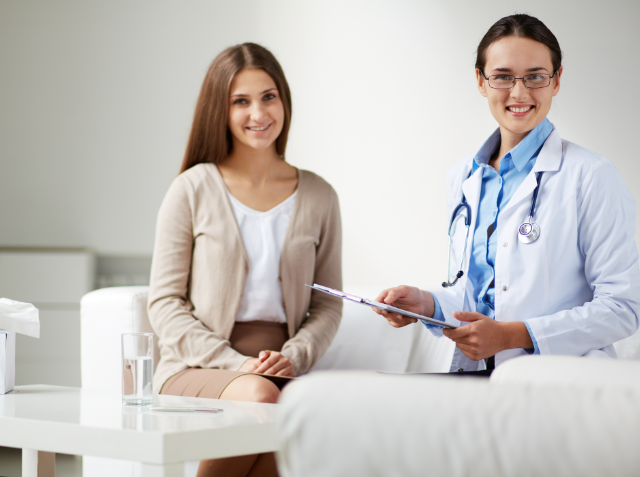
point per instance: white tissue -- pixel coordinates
(20, 317)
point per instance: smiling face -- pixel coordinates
(256, 113)
(520, 109)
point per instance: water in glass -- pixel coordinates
(137, 374)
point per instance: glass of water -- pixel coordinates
(137, 368)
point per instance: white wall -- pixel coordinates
(97, 97)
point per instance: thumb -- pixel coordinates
(264, 355)
(392, 295)
(467, 316)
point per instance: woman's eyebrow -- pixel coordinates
(509, 70)
(245, 94)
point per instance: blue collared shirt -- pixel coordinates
(497, 189)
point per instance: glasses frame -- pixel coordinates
(524, 82)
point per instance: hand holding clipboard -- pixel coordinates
(380, 306)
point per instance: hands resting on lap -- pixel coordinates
(269, 362)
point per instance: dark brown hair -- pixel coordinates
(520, 25)
(210, 138)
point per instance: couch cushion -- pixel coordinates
(351, 425)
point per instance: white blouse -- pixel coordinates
(263, 235)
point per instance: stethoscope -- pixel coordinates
(528, 232)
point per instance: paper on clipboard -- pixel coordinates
(381, 306)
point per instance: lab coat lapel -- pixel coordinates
(525, 190)
(550, 157)
(548, 160)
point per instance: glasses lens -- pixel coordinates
(501, 81)
(538, 80)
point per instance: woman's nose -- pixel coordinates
(519, 90)
(258, 112)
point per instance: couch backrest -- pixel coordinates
(104, 315)
(109, 312)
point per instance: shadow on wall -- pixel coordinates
(121, 270)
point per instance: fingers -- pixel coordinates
(468, 316)
(264, 355)
(383, 294)
(457, 334)
(249, 365)
(472, 352)
(267, 363)
(273, 363)
(279, 366)
(390, 295)
(398, 321)
(287, 372)
(396, 293)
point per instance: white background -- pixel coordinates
(96, 102)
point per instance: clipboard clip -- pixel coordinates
(337, 293)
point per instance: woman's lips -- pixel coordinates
(259, 129)
(519, 111)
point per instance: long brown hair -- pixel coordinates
(210, 138)
(520, 25)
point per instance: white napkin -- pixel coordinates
(19, 317)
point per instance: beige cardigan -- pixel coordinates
(200, 267)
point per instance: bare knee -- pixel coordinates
(265, 391)
(251, 388)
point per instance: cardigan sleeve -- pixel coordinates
(170, 312)
(325, 311)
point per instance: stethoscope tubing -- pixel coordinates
(532, 236)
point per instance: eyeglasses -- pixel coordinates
(532, 81)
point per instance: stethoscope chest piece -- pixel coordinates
(528, 232)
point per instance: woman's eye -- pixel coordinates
(240, 101)
(536, 77)
(269, 96)
(504, 77)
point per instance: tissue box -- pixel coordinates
(7, 361)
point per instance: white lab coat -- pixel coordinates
(578, 285)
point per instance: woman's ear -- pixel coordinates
(481, 82)
(556, 84)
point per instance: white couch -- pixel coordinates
(535, 416)
(364, 342)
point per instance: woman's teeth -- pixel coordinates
(258, 128)
(519, 110)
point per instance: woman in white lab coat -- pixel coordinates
(575, 288)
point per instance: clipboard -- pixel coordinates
(381, 306)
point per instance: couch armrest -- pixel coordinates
(104, 315)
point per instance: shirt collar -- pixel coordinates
(522, 153)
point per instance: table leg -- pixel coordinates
(38, 464)
(166, 470)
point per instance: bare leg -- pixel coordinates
(245, 388)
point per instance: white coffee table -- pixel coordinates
(84, 422)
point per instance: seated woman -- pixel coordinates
(239, 234)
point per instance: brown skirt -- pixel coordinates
(248, 338)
